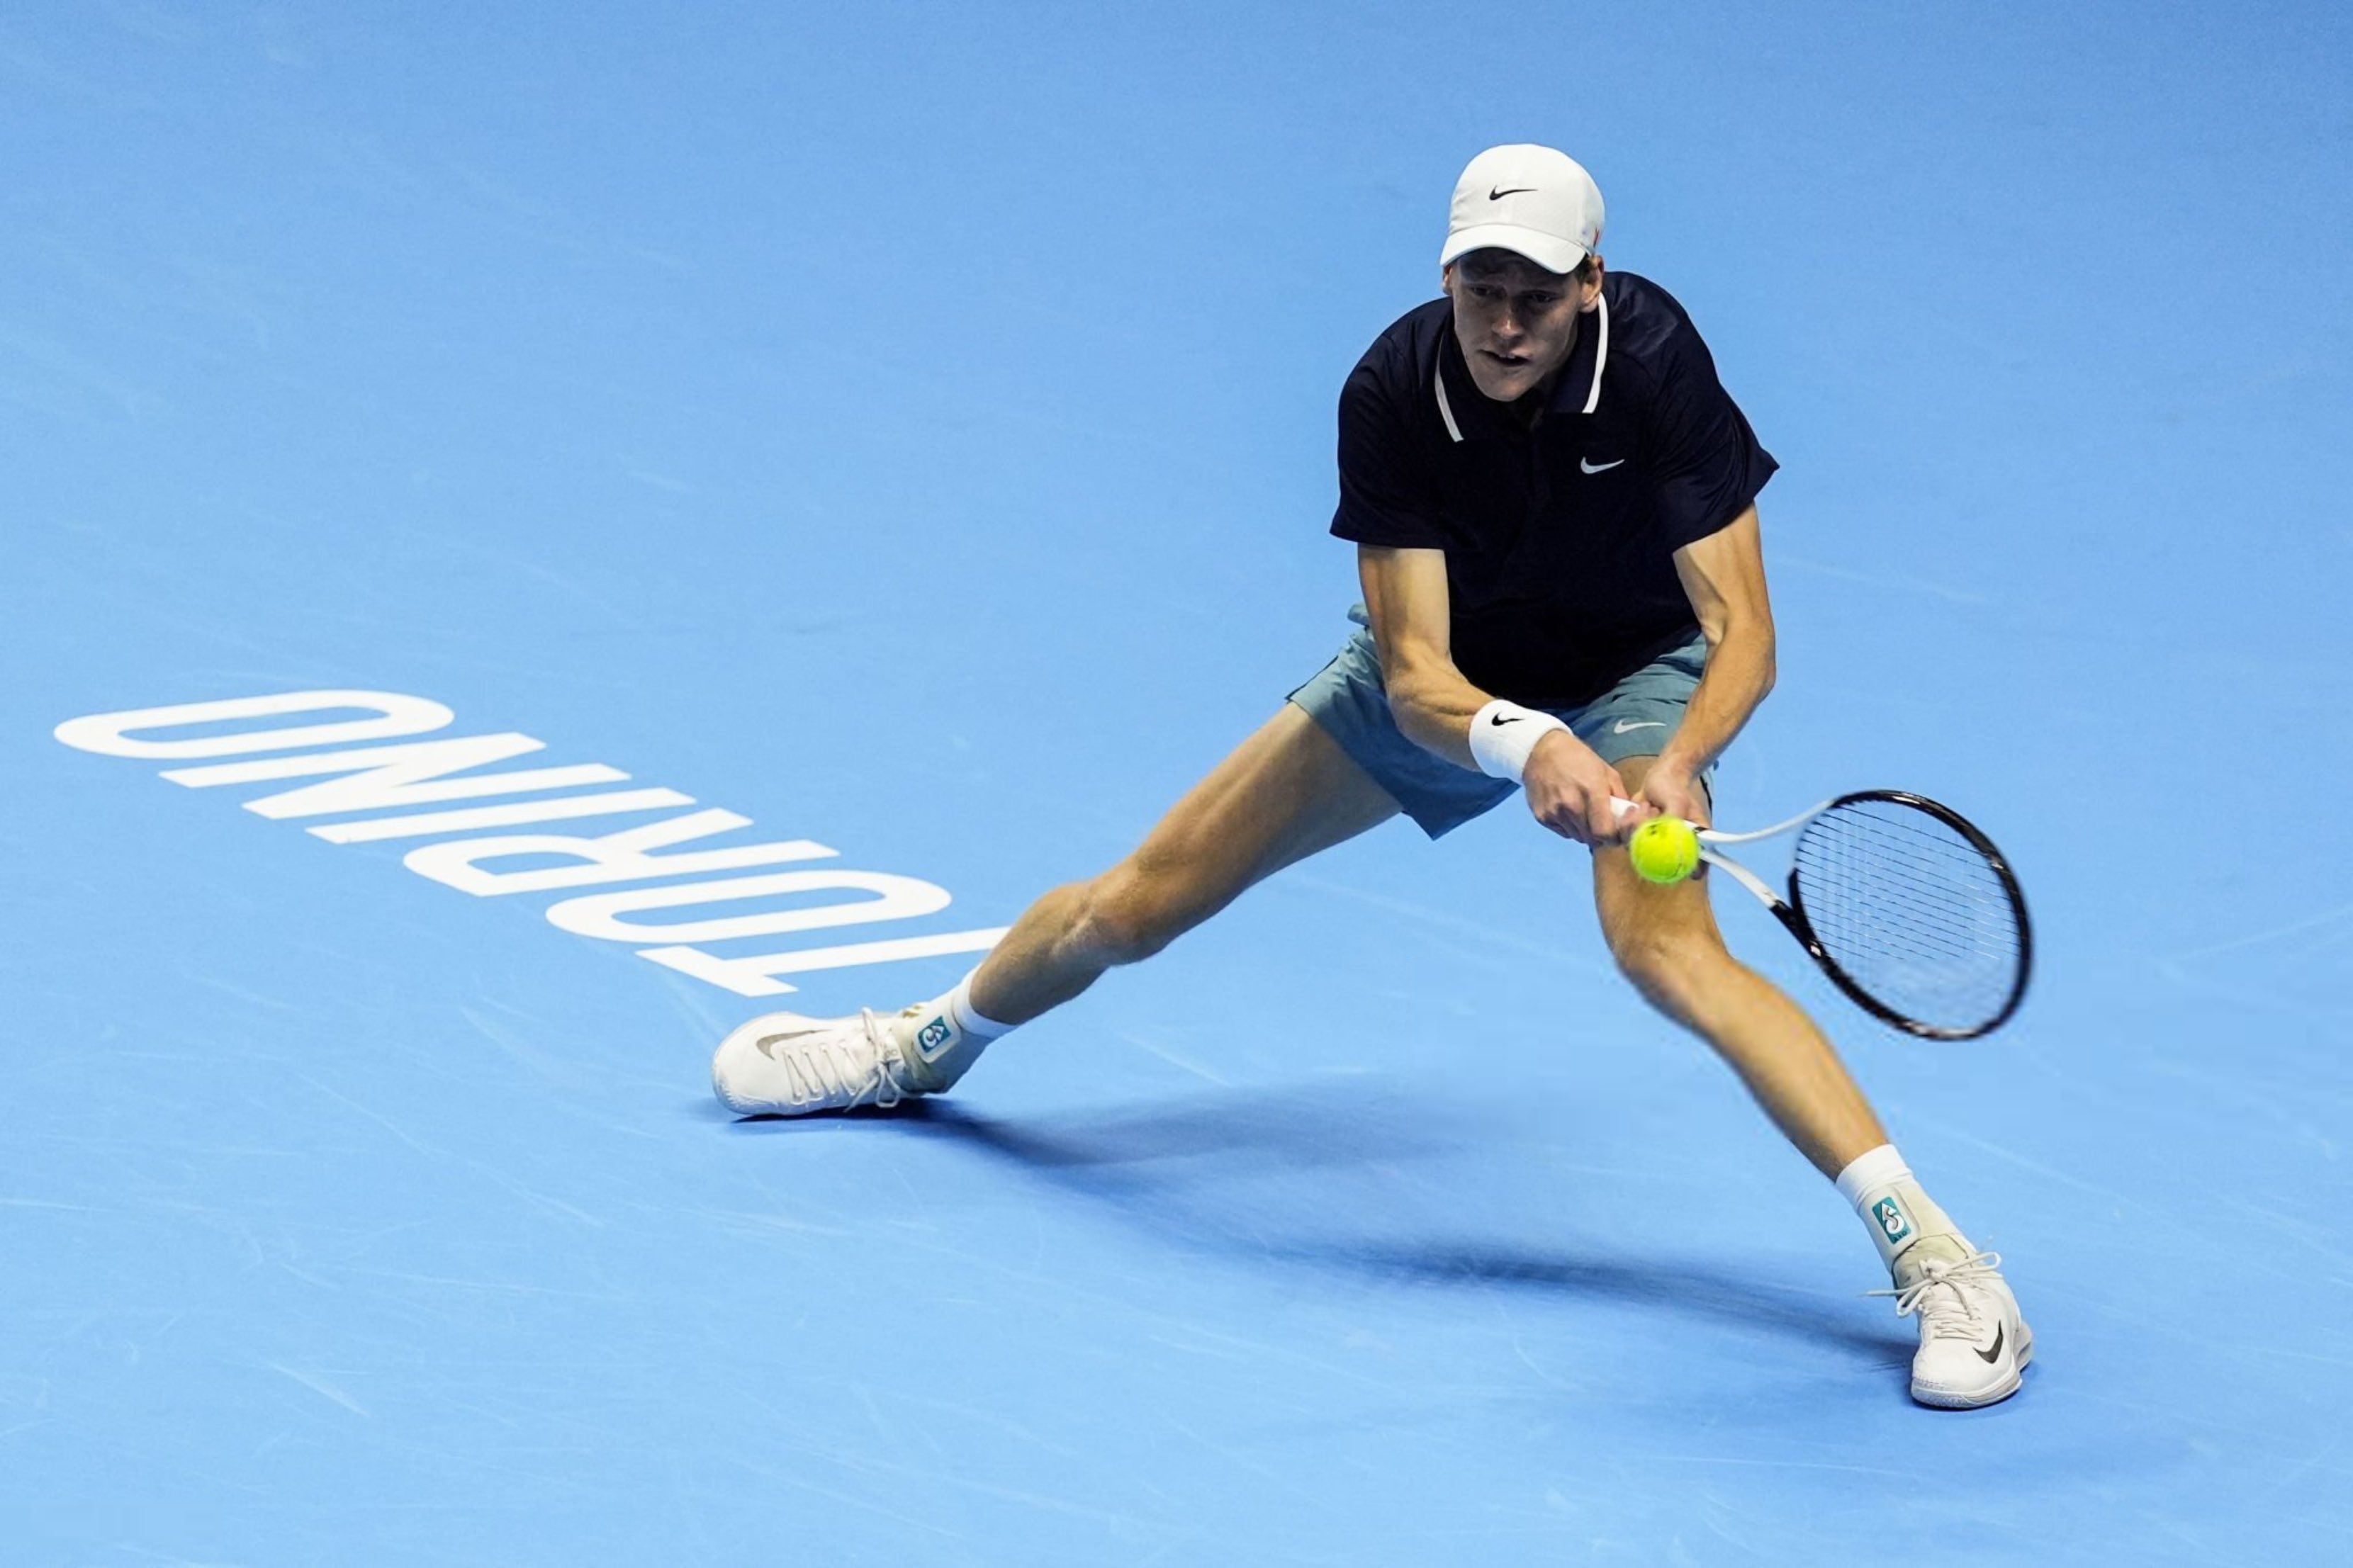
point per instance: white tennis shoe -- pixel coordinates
(1973, 1343)
(782, 1064)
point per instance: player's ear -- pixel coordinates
(1446, 278)
(1589, 292)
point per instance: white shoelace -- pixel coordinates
(1948, 1310)
(823, 1069)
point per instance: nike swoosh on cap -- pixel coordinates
(1495, 195)
(1591, 467)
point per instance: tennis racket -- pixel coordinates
(1908, 908)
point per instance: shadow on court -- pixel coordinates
(1670, 1286)
(1206, 1174)
(1287, 1129)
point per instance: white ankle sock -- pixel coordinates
(1897, 1213)
(969, 1018)
(946, 1034)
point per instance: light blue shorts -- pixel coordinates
(1632, 719)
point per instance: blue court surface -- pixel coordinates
(908, 428)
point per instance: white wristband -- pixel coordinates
(1504, 733)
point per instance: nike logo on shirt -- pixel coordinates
(1591, 467)
(1625, 724)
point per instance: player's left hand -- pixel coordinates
(1675, 792)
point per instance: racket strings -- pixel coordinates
(1911, 912)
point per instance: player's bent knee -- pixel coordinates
(1665, 962)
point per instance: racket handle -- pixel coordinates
(1706, 835)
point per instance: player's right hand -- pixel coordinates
(1569, 788)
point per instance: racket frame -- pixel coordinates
(1791, 911)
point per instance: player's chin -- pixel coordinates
(1505, 381)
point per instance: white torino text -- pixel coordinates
(393, 778)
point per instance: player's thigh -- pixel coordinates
(1643, 921)
(1284, 794)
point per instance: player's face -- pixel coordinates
(1515, 322)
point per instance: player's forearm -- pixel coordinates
(1739, 673)
(1433, 706)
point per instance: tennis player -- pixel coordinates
(1552, 502)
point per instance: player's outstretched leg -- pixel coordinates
(1973, 1343)
(1284, 794)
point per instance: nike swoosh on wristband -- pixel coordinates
(1625, 724)
(1501, 718)
(1593, 467)
(1993, 1355)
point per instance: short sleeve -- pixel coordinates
(1705, 460)
(1387, 494)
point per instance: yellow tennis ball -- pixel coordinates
(1663, 850)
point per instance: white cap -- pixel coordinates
(1529, 200)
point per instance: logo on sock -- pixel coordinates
(934, 1037)
(1893, 1222)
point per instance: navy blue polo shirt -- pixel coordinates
(1559, 540)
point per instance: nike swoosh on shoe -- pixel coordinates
(764, 1041)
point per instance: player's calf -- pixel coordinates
(1131, 912)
